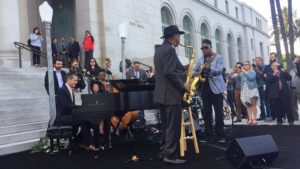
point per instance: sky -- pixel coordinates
(263, 7)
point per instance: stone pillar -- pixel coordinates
(10, 32)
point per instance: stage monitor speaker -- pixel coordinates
(245, 152)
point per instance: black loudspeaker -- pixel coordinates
(246, 152)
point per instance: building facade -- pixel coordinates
(236, 30)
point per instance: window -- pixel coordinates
(261, 49)
(166, 17)
(230, 50)
(227, 6)
(237, 12)
(218, 41)
(258, 24)
(252, 45)
(240, 49)
(187, 27)
(216, 3)
(204, 32)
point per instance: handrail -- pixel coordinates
(20, 46)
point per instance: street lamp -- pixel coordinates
(46, 13)
(123, 31)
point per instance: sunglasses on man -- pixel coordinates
(204, 48)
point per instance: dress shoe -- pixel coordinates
(174, 161)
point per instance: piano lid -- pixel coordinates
(125, 85)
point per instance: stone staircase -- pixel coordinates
(24, 106)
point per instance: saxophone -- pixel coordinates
(191, 80)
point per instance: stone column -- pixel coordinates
(10, 32)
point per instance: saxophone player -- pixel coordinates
(168, 93)
(210, 67)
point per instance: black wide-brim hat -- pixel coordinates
(171, 30)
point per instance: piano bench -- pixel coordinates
(60, 132)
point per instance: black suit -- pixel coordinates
(168, 93)
(74, 50)
(280, 98)
(64, 106)
(56, 85)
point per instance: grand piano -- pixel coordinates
(133, 95)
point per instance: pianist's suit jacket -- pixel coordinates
(64, 106)
(169, 79)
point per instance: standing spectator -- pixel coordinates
(279, 94)
(237, 91)
(260, 80)
(74, 48)
(75, 69)
(93, 69)
(295, 87)
(88, 46)
(53, 47)
(136, 72)
(63, 51)
(58, 75)
(249, 91)
(268, 69)
(230, 91)
(128, 64)
(36, 44)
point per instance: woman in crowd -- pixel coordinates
(88, 46)
(93, 69)
(249, 91)
(36, 44)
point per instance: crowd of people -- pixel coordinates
(269, 86)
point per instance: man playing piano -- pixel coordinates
(168, 93)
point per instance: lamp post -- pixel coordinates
(46, 13)
(123, 31)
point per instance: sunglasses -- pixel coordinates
(204, 48)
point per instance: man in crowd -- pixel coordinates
(267, 70)
(74, 48)
(237, 91)
(260, 80)
(295, 87)
(53, 48)
(75, 69)
(168, 93)
(58, 75)
(214, 87)
(136, 72)
(279, 94)
(63, 50)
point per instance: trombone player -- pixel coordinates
(168, 93)
(210, 67)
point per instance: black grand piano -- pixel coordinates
(133, 95)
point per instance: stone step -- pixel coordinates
(25, 94)
(23, 127)
(23, 136)
(23, 120)
(16, 104)
(17, 147)
(23, 112)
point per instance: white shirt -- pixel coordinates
(59, 78)
(71, 91)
